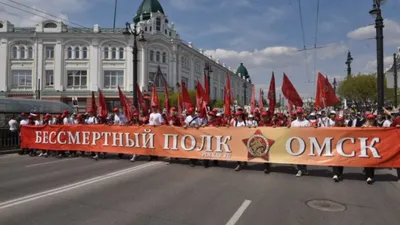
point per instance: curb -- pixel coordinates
(9, 151)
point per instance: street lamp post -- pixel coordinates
(129, 31)
(377, 13)
(348, 63)
(334, 84)
(395, 78)
(208, 69)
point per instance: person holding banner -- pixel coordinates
(155, 119)
(191, 121)
(240, 122)
(119, 119)
(338, 170)
(370, 171)
(174, 120)
(300, 122)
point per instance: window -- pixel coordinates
(158, 81)
(182, 62)
(14, 53)
(106, 53)
(222, 93)
(1, 25)
(145, 29)
(22, 52)
(164, 57)
(50, 25)
(121, 53)
(49, 82)
(49, 52)
(111, 104)
(151, 28)
(69, 53)
(166, 32)
(113, 78)
(151, 55)
(30, 52)
(113, 53)
(22, 78)
(158, 24)
(77, 78)
(77, 52)
(215, 93)
(170, 33)
(157, 56)
(84, 53)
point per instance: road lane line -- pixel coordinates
(239, 213)
(29, 198)
(56, 161)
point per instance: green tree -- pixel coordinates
(218, 104)
(173, 98)
(362, 88)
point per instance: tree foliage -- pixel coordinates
(173, 98)
(362, 88)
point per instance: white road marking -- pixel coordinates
(29, 198)
(239, 213)
(56, 161)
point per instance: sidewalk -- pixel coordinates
(11, 151)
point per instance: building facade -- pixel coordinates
(58, 62)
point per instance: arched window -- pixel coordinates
(14, 52)
(84, 53)
(182, 62)
(69, 53)
(106, 53)
(157, 56)
(121, 53)
(22, 52)
(151, 55)
(77, 52)
(30, 52)
(113, 53)
(158, 24)
(164, 57)
(50, 25)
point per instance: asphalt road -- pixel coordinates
(82, 191)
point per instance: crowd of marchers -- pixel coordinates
(214, 118)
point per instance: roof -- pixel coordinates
(16, 105)
(242, 71)
(146, 8)
(74, 30)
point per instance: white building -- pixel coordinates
(64, 62)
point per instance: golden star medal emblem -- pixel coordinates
(258, 146)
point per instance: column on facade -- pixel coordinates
(175, 65)
(95, 72)
(59, 67)
(4, 53)
(129, 67)
(143, 78)
(39, 64)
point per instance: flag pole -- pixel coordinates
(115, 14)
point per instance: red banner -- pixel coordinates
(363, 147)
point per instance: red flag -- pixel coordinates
(290, 92)
(261, 101)
(166, 98)
(186, 100)
(94, 107)
(201, 95)
(142, 103)
(103, 112)
(253, 100)
(227, 97)
(154, 98)
(272, 95)
(329, 93)
(290, 106)
(207, 89)
(124, 103)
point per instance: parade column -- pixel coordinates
(144, 75)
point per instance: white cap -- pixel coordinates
(312, 114)
(219, 114)
(251, 116)
(319, 113)
(333, 112)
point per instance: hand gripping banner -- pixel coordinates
(360, 147)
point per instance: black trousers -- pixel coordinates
(398, 173)
(369, 172)
(337, 170)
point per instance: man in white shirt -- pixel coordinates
(300, 122)
(191, 120)
(13, 124)
(119, 118)
(251, 122)
(91, 118)
(66, 119)
(24, 120)
(325, 121)
(155, 118)
(387, 122)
